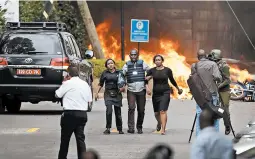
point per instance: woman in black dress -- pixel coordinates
(161, 91)
(112, 95)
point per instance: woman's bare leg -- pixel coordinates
(163, 119)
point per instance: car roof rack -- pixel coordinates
(36, 25)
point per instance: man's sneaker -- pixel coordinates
(131, 131)
(107, 131)
(139, 131)
(121, 132)
(227, 130)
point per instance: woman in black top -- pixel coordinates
(161, 90)
(112, 95)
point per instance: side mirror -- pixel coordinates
(89, 54)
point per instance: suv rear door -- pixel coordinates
(31, 58)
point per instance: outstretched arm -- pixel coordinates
(172, 80)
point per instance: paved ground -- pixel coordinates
(34, 133)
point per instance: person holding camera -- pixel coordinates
(206, 65)
(76, 95)
(112, 94)
(224, 86)
(161, 91)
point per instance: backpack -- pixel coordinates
(202, 95)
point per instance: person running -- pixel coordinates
(161, 91)
(112, 95)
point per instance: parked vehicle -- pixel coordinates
(244, 142)
(34, 57)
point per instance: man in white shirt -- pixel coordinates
(76, 95)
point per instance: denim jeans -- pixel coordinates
(215, 98)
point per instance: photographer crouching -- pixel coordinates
(224, 85)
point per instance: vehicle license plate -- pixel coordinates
(28, 71)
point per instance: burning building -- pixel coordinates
(177, 31)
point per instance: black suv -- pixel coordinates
(34, 57)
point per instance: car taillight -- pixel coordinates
(60, 62)
(3, 61)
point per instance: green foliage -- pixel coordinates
(31, 10)
(98, 66)
(2, 19)
(67, 13)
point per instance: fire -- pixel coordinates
(239, 75)
(110, 42)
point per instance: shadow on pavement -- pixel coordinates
(35, 112)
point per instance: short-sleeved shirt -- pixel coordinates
(160, 79)
(76, 94)
(110, 81)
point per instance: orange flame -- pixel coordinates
(181, 69)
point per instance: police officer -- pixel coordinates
(134, 71)
(224, 86)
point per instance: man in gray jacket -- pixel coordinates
(210, 81)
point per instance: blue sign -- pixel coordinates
(139, 30)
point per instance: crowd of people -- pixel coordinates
(135, 76)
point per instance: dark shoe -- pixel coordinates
(158, 127)
(139, 131)
(227, 130)
(107, 131)
(131, 131)
(121, 132)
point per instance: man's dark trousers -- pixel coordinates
(134, 98)
(72, 121)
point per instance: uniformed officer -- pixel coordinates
(224, 86)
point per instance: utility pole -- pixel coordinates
(48, 6)
(91, 29)
(122, 31)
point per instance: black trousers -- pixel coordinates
(134, 98)
(117, 111)
(72, 121)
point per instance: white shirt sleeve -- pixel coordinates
(124, 69)
(61, 91)
(146, 67)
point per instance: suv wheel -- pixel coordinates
(13, 106)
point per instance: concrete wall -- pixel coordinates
(195, 25)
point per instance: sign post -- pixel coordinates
(139, 31)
